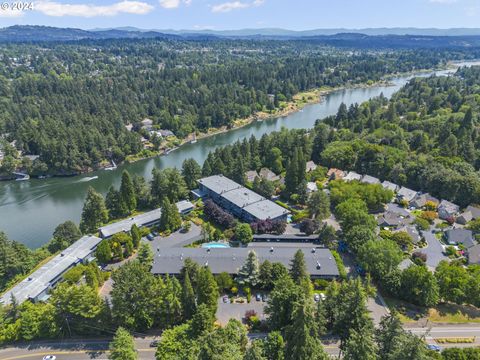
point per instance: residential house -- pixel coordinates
(129, 127)
(470, 213)
(420, 200)
(147, 124)
(447, 210)
(311, 187)
(406, 194)
(251, 175)
(460, 236)
(310, 166)
(412, 231)
(392, 220)
(268, 174)
(184, 207)
(335, 174)
(387, 185)
(166, 133)
(352, 175)
(367, 179)
(474, 255)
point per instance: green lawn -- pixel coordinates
(443, 313)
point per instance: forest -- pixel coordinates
(69, 103)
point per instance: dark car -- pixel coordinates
(154, 343)
(150, 237)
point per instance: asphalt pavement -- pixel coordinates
(434, 249)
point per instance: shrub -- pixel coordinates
(419, 257)
(422, 224)
(269, 226)
(320, 284)
(215, 213)
(429, 216)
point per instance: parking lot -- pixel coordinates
(227, 311)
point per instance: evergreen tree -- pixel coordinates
(207, 289)
(191, 172)
(202, 321)
(127, 192)
(188, 298)
(170, 219)
(136, 236)
(104, 252)
(94, 213)
(116, 207)
(361, 345)
(302, 341)
(274, 346)
(298, 267)
(388, 334)
(206, 168)
(145, 255)
(255, 351)
(122, 347)
(249, 273)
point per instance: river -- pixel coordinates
(30, 210)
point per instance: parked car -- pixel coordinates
(49, 357)
(154, 233)
(264, 297)
(323, 296)
(225, 299)
(150, 237)
(316, 297)
(258, 297)
(154, 343)
(433, 347)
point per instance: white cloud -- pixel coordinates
(9, 13)
(235, 5)
(173, 4)
(53, 8)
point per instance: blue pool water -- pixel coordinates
(215, 245)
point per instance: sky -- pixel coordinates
(241, 14)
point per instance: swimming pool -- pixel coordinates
(215, 245)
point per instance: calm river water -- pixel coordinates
(30, 210)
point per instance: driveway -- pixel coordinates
(434, 250)
(178, 238)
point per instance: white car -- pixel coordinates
(49, 357)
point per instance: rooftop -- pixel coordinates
(251, 202)
(170, 261)
(352, 175)
(367, 179)
(40, 280)
(126, 224)
(390, 186)
(406, 193)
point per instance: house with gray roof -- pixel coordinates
(240, 201)
(320, 262)
(310, 166)
(38, 284)
(412, 232)
(352, 175)
(251, 175)
(387, 185)
(406, 194)
(367, 179)
(393, 220)
(474, 255)
(470, 213)
(447, 210)
(460, 236)
(421, 199)
(268, 174)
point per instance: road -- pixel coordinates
(97, 349)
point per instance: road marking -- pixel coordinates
(35, 354)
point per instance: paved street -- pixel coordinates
(434, 250)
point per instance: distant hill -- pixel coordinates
(368, 38)
(30, 33)
(277, 32)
